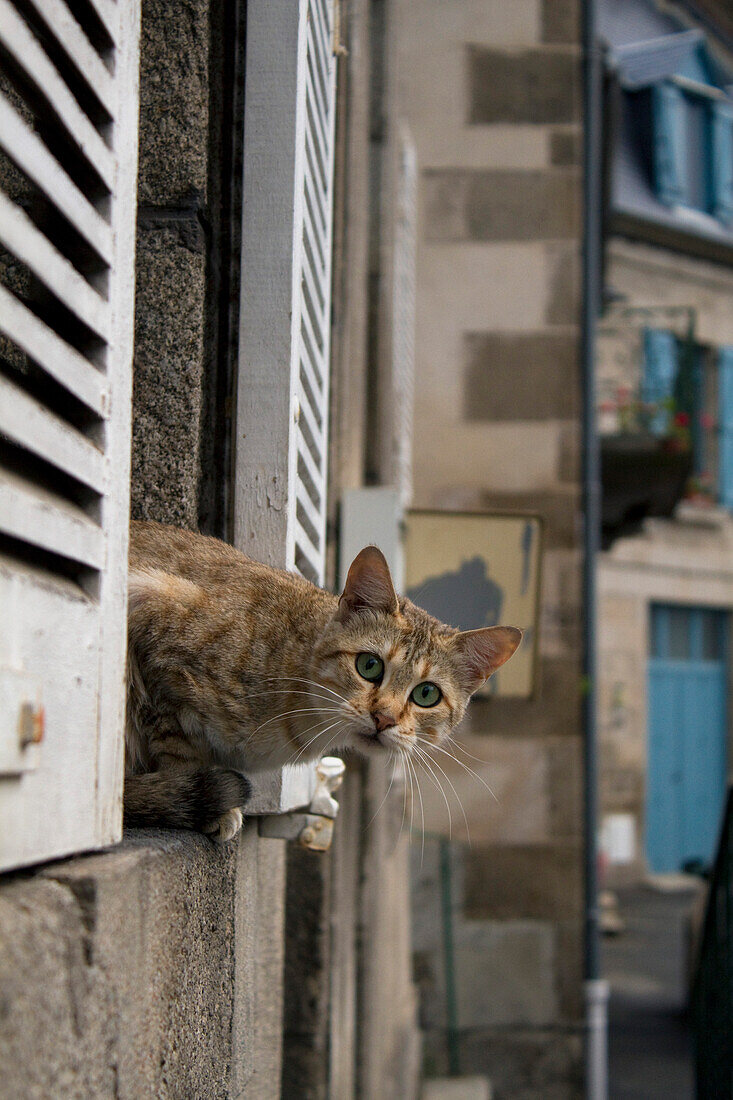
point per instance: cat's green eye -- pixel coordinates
(370, 666)
(426, 695)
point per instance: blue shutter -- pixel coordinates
(670, 154)
(721, 161)
(659, 375)
(725, 421)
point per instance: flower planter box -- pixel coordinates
(641, 475)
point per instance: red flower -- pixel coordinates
(682, 419)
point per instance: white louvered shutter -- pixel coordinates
(285, 310)
(68, 162)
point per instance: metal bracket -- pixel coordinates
(312, 827)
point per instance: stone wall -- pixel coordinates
(492, 95)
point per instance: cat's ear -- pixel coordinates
(368, 586)
(481, 652)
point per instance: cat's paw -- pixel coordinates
(226, 827)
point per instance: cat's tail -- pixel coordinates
(184, 798)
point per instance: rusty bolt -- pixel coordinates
(31, 725)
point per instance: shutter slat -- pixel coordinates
(30, 154)
(314, 238)
(319, 85)
(312, 313)
(304, 541)
(313, 469)
(43, 519)
(78, 48)
(109, 16)
(28, 244)
(311, 380)
(314, 195)
(316, 134)
(18, 40)
(30, 425)
(57, 358)
(312, 510)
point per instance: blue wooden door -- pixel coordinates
(688, 719)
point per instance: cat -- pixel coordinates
(236, 668)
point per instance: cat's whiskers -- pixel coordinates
(425, 761)
(304, 680)
(321, 733)
(452, 756)
(292, 713)
(448, 781)
(422, 810)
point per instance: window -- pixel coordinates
(693, 149)
(725, 425)
(68, 157)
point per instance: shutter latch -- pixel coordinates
(313, 826)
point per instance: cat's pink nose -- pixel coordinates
(383, 719)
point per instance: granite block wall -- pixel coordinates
(498, 390)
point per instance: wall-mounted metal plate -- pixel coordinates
(21, 732)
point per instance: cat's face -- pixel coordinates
(402, 678)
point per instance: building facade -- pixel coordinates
(664, 355)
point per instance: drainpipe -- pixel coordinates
(596, 989)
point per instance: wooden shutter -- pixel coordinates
(725, 426)
(721, 160)
(659, 376)
(282, 407)
(68, 158)
(280, 479)
(670, 153)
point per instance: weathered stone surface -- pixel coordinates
(521, 376)
(561, 21)
(541, 882)
(527, 86)
(564, 291)
(566, 147)
(565, 785)
(554, 710)
(174, 101)
(570, 456)
(167, 399)
(560, 512)
(569, 953)
(473, 205)
(119, 973)
(504, 973)
(521, 1063)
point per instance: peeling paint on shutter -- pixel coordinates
(68, 160)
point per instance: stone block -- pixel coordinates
(525, 86)
(565, 787)
(564, 290)
(561, 21)
(118, 973)
(457, 1088)
(502, 205)
(526, 1064)
(504, 973)
(521, 376)
(168, 379)
(174, 101)
(560, 512)
(566, 147)
(569, 960)
(538, 882)
(555, 709)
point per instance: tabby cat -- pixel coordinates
(236, 668)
